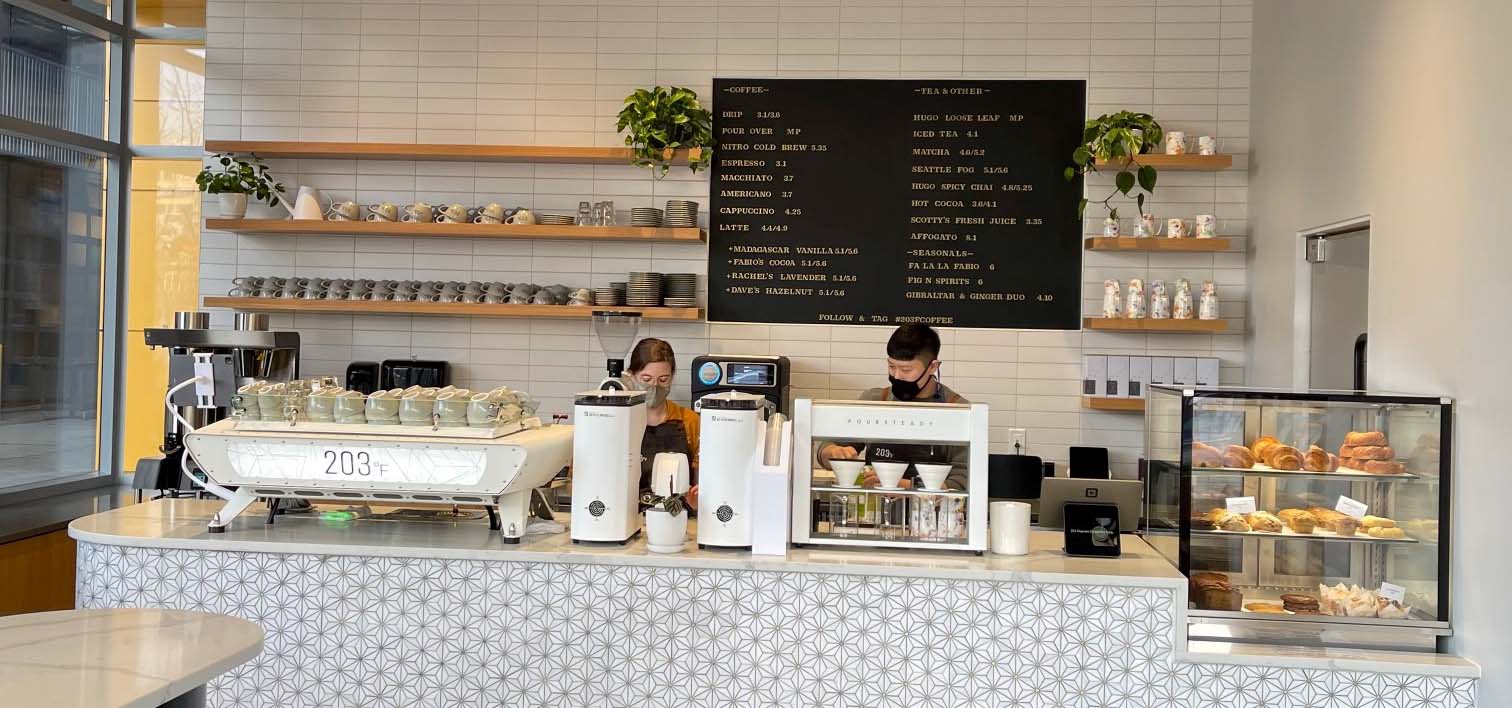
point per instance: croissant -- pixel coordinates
(1261, 444)
(1238, 457)
(1285, 457)
(1374, 437)
(1316, 460)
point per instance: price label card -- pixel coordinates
(1395, 593)
(1351, 507)
(1240, 505)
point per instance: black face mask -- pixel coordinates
(908, 390)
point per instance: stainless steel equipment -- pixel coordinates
(833, 511)
(233, 357)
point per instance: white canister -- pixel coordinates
(1008, 526)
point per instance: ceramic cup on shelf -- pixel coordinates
(1175, 143)
(1147, 227)
(1207, 226)
(1207, 145)
(452, 214)
(1176, 228)
(521, 217)
(382, 408)
(491, 214)
(383, 211)
(343, 211)
(419, 213)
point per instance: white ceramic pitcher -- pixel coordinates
(307, 205)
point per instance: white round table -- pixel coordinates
(126, 658)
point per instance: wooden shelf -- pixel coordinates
(435, 151)
(1158, 243)
(1114, 324)
(429, 230)
(455, 309)
(1122, 405)
(1178, 163)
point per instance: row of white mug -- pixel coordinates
(423, 213)
(493, 293)
(1161, 305)
(1147, 226)
(446, 407)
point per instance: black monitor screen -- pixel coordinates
(739, 374)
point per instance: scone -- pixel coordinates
(1263, 521)
(1226, 521)
(1386, 532)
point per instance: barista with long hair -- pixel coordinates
(669, 427)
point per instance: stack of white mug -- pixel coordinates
(444, 407)
(1147, 226)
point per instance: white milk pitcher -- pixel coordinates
(306, 206)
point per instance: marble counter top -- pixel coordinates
(1415, 663)
(180, 523)
(118, 657)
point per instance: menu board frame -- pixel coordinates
(893, 201)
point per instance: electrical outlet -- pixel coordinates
(1018, 440)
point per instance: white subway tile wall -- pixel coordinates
(554, 73)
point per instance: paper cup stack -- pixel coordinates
(646, 216)
(681, 214)
(680, 290)
(645, 290)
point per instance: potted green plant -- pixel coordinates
(659, 121)
(232, 179)
(1117, 140)
(666, 521)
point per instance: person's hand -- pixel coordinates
(692, 497)
(838, 452)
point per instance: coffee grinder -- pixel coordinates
(232, 357)
(608, 426)
(616, 334)
(731, 446)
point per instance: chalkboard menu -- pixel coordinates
(856, 201)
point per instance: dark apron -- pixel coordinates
(898, 452)
(670, 436)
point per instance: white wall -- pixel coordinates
(554, 73)
(1398, 110)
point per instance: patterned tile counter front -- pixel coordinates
(471, 627)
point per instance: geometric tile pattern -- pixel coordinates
(368, 631)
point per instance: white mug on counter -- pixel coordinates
(1008, 528)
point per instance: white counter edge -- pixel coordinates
(1363, 660)
(703, 561)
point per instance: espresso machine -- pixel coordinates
(731, 447)
(608, 425)
(230, 359)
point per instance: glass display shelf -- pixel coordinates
(879, 490)
(1339, 474)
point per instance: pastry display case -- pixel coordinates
(1303, 517)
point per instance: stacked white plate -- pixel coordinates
(645, 290)
(556, 219)
(681, 214)
(680, 290)
(645, 216)
(608, 296)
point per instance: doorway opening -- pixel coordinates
(1333, 306)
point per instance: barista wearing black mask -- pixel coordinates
(669, 427)
(913, 374)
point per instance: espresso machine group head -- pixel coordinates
(230, 358)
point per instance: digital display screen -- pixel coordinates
(740, 374)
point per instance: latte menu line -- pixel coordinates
(849, 201)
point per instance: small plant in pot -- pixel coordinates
(1117, 139)
(666, 503)
(233, 179)
(659, 121)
